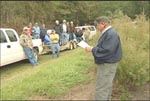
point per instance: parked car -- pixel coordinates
(11, 50)
(89, 33)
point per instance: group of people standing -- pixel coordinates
(65, 30)
(59, 35)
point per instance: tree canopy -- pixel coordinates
(16, 14)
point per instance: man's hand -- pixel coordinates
(56, 38)
(88, 49)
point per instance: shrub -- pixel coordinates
(133, 69)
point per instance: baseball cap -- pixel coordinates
(25, 28)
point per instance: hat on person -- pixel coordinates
(57, 21)
(49, 31)
(64, 20)
(71, 21)
(25, 28)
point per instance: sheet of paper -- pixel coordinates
(83, 44)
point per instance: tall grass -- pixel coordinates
(133, 69)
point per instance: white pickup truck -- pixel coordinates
(10, 49)
(90, 32)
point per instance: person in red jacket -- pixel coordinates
(31, 30)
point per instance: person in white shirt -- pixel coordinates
(64, 30)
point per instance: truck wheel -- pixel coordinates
(36, 53)
(74, 45)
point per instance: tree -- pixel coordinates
(19, 13)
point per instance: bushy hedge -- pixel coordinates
(133, 69)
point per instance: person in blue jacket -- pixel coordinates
(47, 40)
(107, 53)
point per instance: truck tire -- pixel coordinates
(35, 50)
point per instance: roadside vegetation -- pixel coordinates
(18, 14)
(54, 77)
(133, 70)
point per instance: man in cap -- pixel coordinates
(26, 43)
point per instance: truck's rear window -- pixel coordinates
(11, 35)
(91, 28)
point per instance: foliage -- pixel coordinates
(133, 70)
(80, 12)
(125, 96)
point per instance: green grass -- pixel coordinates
(51, 78)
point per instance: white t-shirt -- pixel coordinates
(106, 29)
(64, 28)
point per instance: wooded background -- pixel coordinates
(16, 14)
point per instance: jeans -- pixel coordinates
(30, 54)
(65, 38)
(71, 36)
(55, 49)
(105, 75)
(79, 39)
(60, 39)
